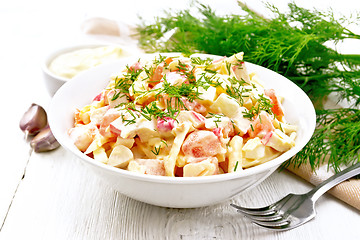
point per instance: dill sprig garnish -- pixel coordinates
(216, 117)
(263, 104)
(201, 61)
(237, 89)
(156, 150)
(122, 84)
(236, 166)
(153, 111)
(292, 43)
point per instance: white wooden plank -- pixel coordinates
(12, 165)
(21, 84)
(16, 98)
(60, 199)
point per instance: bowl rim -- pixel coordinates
(183, 180)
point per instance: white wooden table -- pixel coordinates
(52, 196)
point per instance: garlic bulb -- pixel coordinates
(33, 120)
(44, 141)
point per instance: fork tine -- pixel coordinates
(273, 225)
(263, 211)
(264, 218)
(255, 211)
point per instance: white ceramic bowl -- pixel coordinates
(52, 81)
(177, 192)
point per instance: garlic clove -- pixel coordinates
(44, 141)
(33, 120)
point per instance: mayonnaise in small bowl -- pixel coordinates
(69, 64)
(64, 64)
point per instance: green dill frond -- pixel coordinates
(335, 140)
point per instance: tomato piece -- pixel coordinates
(98, 97)
(165, 124)
(109, 117)
(261, 125)
(276, 108)
(201, 144)
(168, 61)
(156, 76)
(136, 66)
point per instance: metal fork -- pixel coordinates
(295, 209)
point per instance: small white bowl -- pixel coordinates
(177, 192)
(53, 81)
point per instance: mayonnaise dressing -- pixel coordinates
(70, 64)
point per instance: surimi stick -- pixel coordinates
(180, 134)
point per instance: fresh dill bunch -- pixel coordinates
(292, 44)
(335, 140)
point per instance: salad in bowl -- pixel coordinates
(184, 117)
(181, 131)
